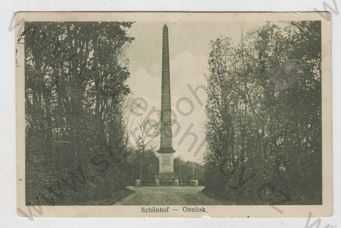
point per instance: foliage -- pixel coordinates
(186, 171)
(264, 115)
(75, 84)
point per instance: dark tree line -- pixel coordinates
(264, 116)
(75, 86)
(144, 165)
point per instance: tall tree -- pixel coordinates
(264, 115)
(75, 86)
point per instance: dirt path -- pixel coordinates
(167, 195)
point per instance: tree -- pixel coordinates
(74, 87)
(264, 115)
(144, 135)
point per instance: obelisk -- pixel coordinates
(165, 153)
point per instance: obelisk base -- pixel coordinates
(166, 163)
(168, 179)
(166, 170)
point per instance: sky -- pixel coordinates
(189, 46)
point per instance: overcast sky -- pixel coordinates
(189, 46)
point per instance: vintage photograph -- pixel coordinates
(155, 110)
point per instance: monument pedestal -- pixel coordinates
(168, 179)
(166, 169)
(166, 163)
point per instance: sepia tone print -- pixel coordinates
(185, 114)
